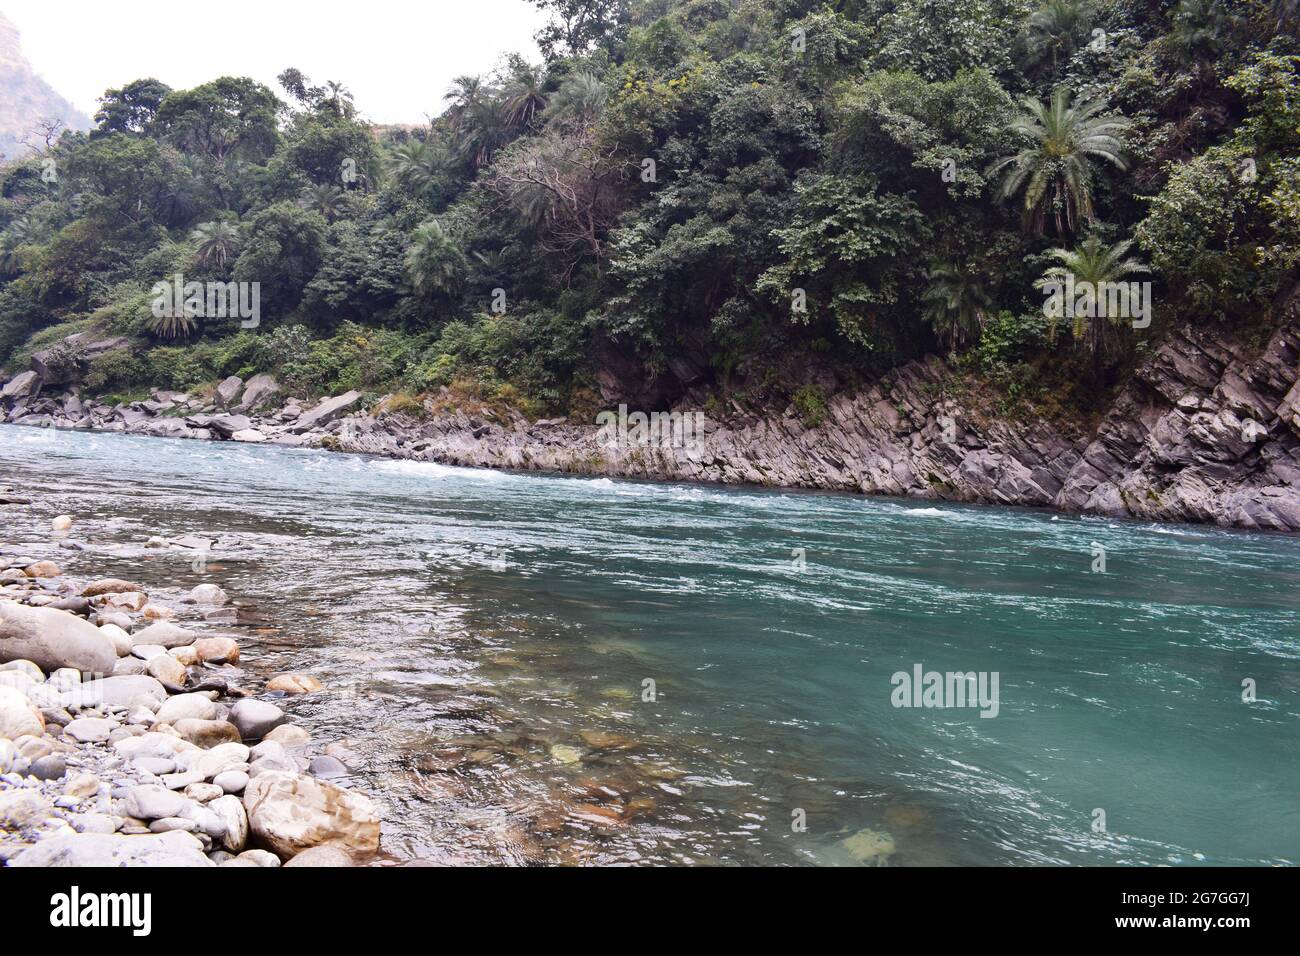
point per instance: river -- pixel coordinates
(537, 669)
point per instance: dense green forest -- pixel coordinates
(747, 197)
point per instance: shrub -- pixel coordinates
(118, 369)
(180, 367)
(810, 403)
(356, 358)
(1007, 339)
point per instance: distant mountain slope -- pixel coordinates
(25, 98)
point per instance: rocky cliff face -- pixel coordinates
(1207, 430)
(25, 98)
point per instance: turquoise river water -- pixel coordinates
(534, 669)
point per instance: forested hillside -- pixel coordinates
(768, 200)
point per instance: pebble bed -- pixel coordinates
(128, 738)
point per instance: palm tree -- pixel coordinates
(464, 94)
(482, 130)
(217, 243)
(434, 263)
(1055, 170)
(524, 97)
(326, 200)
(172, 325)
(1095, 269)
(1056, 30)
(416, 164)
(957, 305)
(580, 98)
(340, 99)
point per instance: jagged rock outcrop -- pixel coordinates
(325, 412)
(1204, 432)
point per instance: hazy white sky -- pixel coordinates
(396, 57)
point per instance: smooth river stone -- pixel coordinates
(166, 669)
(131, 691)
(89, 730)
(208, 594)
(288, 734)
(321, 856)
(291, 813)
(268, 748)
(176, 848)
(203, 792)
(110, 586)
(116, 618)
(52, 639)
(231, 781)
(152, 745)
(294, 684)
(255, 718)
(158, 766)
(19, 717)
(49, 767)
(230, 811)
(127, 601)
(153, 803)
(220, 759)
(115, 633)
(327, 766)
(186, 707)
(206, 733)
(24, 667)
(165, 634)
(216, 650)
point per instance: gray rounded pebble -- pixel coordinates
(231, 781)
(49, 767)
(327, 766)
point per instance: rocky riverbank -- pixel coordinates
(1207, 430)
(132, 734)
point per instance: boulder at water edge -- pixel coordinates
(229, 390)
(325, 412)
(208, 594)
(255, 718)
(258, 391)
(51, 639)
(110, 586)
(291, 813)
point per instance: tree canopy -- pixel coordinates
(690, 194)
